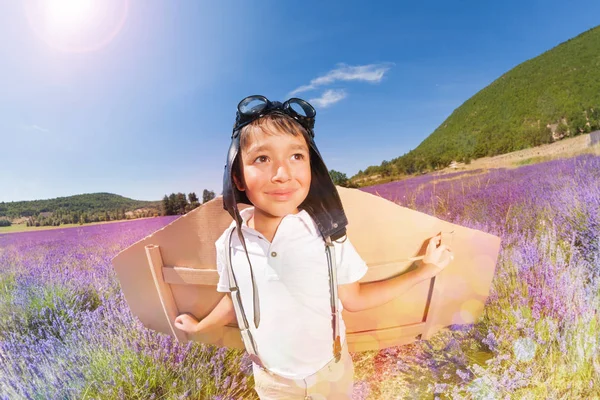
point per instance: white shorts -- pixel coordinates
(334, 381)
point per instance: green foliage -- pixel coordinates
(5, 222)
(167, 206)
(48, 311)
(7, 286)
(79, 209)
(340, 179)
(179, 204)
(207, 195)
(193, 198)
(513, 112)
(194, 201)
(174, 204)
(204, 373)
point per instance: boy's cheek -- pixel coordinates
(252, 179)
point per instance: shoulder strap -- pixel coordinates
(247, 338)
(333, 297)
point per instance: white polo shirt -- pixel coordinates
(294, 337)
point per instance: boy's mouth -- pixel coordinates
(282, 193)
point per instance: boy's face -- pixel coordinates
(276, 172)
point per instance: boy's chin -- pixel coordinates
(279, 210)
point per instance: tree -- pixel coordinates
(167, 206)
(207, 195)
(83, 218)
(181, 203)
(194, 202)
(173, 203)
(338, 178)
(578, 123)
(562, 129)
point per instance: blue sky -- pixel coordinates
(138, 97)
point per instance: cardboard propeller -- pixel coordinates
(174, 271)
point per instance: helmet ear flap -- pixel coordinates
(323, 202)
(231, 195)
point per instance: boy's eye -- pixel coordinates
(261, 159)
(299, 156)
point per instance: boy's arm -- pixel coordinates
(221, 315)
(358, 297)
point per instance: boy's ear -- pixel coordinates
(238, 183)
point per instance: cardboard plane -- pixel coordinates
(173, 271)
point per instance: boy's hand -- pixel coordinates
(186, 323)
(436, 258)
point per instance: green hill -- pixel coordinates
(79, 208)
(538, 101)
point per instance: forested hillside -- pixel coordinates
(81, 208)
(550, 96)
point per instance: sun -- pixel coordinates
(69, 14)
(76, 25)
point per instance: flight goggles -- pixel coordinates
(253, 107)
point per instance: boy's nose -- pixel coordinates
(282, 172)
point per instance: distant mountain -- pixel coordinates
(94, 206)
(537, 102)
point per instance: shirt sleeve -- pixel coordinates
(223, 285)
(351, 267)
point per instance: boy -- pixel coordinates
(279, 256)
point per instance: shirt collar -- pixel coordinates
(303, 216)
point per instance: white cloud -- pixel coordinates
(372, 73)
(35, 128)
(328, 98)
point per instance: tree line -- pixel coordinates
(340, 179)
(77, 209)
(62, 217)
(179, 203)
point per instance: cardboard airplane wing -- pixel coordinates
(174, 271)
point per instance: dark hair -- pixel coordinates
(270, 124)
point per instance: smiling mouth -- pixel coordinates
(282, 193)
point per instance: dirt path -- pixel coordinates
(564, 148)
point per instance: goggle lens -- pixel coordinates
(252, 105)
(302, 108)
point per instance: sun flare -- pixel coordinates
(76, 25)
(69, 14)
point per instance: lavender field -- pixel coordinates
(66, 331)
